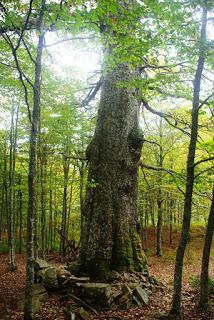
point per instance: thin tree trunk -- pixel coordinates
(66, 164)
(171, 209)
(50, 230)
(55, 217)
(28, 308)
(204, 281)
(160, 193)
(11, 241)
(5, 183)
(20, 215)
(70, 202)
(151, 206)
(1, 212)
(81, 168)
(43, 167)
(176, 302)
(36, 218)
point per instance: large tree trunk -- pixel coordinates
(110, 239)
(204, 281)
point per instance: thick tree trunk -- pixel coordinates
(110, 239)
(204, 281)
(176, 303)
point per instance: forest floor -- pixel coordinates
(12, 285)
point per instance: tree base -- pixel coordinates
(12, 267)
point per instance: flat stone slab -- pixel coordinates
(141, 295)
(99, 293)
(79, 279)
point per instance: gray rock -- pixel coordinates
(50, 278)
(116, 291)
(124, 300)
(99, 293)
(62, 274)
(40, 264)
(141, 295)
(40, 276)
(74, 268)
(137, 302)
(79, 279)
(114, 276)
(84, 315)
(133, 285)
(126, 290)
(40, 296)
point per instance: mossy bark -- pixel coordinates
(109, 235)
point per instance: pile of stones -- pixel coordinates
(80, 294)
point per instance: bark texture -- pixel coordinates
(176, 303)
(109, 235)
(204, 281)
(28, 308)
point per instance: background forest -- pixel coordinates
(62, 65)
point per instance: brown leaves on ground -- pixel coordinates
(12, 286)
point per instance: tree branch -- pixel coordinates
(202, 172)
(92, 94)
(203, 160)
(166, 116)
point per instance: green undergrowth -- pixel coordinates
(194, 281)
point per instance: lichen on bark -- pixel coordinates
(110, 240)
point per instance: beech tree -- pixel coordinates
(204, 279)
(109, 235)
(196, 105)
